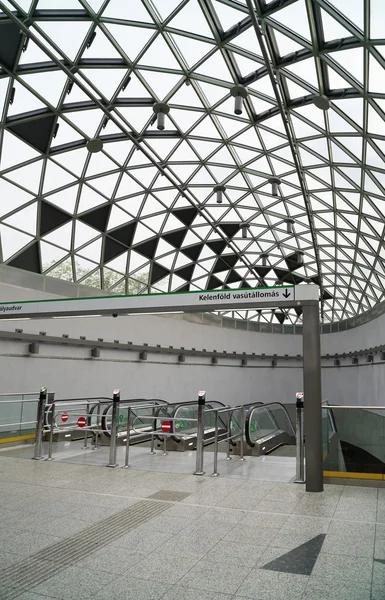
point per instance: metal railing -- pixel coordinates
(18, 414)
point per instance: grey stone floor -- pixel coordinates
(212, 544)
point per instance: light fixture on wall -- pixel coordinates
(161, 109)
(219, 189)
(238, 92)
(275, 182)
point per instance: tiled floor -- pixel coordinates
(231, 537)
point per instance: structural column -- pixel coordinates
(312, 396)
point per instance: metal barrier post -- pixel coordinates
(114, 428)
(200, 433)
(215, 472)
(40, 424)
(299, 476)
(152, 449)
(51, 433)
(242, 434)
(126, 465)
(228, 457)
(85, 447)
(164, 453)
(97, 428)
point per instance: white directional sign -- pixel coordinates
(185, 302)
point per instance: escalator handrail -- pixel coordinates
(264, 406)
(129, 402)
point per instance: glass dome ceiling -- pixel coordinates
(142, 214)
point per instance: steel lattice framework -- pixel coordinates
(141, 215)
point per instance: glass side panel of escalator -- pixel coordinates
(354, 440)
(261, 424)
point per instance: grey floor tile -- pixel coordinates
(74, 583)
(379, 575)
(132, 588)
(33, 596)
(242, 554)
(271, 585)
(379, 548)
(141, 543)
(378, 593)
(251, 535)
(366, 530)
(291, 539)
(112, 559)
(222, 515)
(183, 510)
(320, 590)
(268, 506)
(180, 592)
(235, 500)
(302, 524)
(158, 567)
(26, 542)
(185, 546)
(7, 559)
(218, 578)
(380, 530)
(338, 567)
(255, 519)
(349, 545)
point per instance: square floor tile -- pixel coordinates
(112, 559)
(272, 585)
(349, 545)
(180, 592)
(350, 569)
(320, 590)
(74, 583)
(132, 588)
(159, 567)
(242, 554)
(218, 578)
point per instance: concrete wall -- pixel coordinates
(70, 371)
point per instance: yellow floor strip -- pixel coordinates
(346, 475)
(18, 438)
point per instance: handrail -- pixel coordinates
(332, 407)
(138, 402)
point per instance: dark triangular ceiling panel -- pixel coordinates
(51, 218)
(157, 273)
(230, 229)
(213, 283)
(10, 39)
(186, 272)
(148, 249)
(36, 132)
(124, 234)
(29, 260)
(97, 218)
(112, 249)
(193, 252)
(217, 246)
(233, 277)
(175, 238)
(186, 215)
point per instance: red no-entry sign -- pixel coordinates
(166, 426)
(64, 417)
(82, 422)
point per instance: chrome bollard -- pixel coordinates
(114, 428)
(97, 428)
(299, 462)
(37, 455)
(152, 449)
(200, 433)
(215, 472)
(51, 433)
(126, 458)
(228, 457)
(85, 447)
(242, 434)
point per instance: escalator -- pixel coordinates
(142, 422)
(267, 428)
(185, 430)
